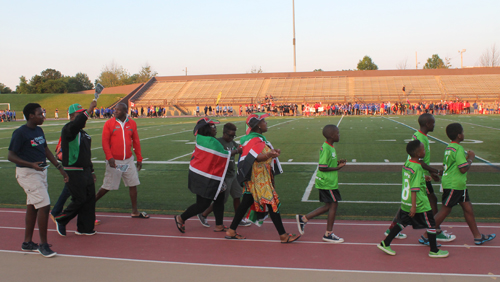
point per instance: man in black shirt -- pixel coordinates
(75, 144)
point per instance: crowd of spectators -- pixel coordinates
(7, 115)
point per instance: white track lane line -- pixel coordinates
(493, 276)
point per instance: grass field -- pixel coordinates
(370, 183)
(51, 102)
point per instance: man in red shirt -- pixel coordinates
(119, 135)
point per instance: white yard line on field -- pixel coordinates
(468, 123)
(437, 139)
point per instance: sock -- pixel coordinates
(392, 233)
(431, 233)
(392, 225)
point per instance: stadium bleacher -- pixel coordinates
(327, 87)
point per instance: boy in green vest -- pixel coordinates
(456, 163)
(415, 207)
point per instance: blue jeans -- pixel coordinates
(58, 207)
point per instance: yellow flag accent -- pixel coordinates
(218, 97)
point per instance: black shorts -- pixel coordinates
(422, 220)
(329, 196)
(430, 190)
(453, 197)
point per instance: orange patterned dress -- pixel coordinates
(261, 185)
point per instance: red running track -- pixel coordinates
(157, 239)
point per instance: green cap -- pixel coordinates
(75, 108)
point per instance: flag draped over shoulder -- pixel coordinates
(253, 144)
(208, 167)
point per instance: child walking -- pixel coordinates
(456, 163)
(328, 184)
(415, 207)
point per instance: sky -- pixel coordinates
(234, 36)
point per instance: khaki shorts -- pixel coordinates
(35, 186)
(233, 188)
(113, 176)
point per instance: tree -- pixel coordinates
(402, 65)
(53, 86)
(435, 62)
(367, 64)
(23, 87)
(51, 74)
(317, 70)
(490, 57)
(113, 75)
(255, 70)
(447, 62)
(84, 81)
(145, 74)
(4, 89)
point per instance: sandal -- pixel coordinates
(179, 225)
(141, 215)
(484, 239)
(224, 228)
(236, 236)
(290, 238)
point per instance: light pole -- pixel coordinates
(461, 58)
(294, 62)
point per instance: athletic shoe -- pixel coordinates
(29, 246)
(332, 238)
(84, 233)
(97, 222)
(439, 254)
(45, 250)
(399, 236)
(203, 220)
(482, 240)
(445, 237)
(386, 249)
(61, 229)
(245, 223)
(300, 223)
(425, 241)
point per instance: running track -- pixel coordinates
(158, 240)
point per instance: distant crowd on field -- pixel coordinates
(7, 115)
(356, 108)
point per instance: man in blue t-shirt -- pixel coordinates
(28, 150)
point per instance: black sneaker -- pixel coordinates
(61, 229)
(45, 250)
(29, 246)
(300, 223)
(86, 233)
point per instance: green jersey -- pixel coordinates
(414, 181)
(418, 135)
(454, 159)
(327, 180)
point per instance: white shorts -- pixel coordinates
(35, 186)
(113, 176)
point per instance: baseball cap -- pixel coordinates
(253, 120)
(202, 122)
(75, 108)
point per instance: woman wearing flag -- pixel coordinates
(256, 170)
(207, 170)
